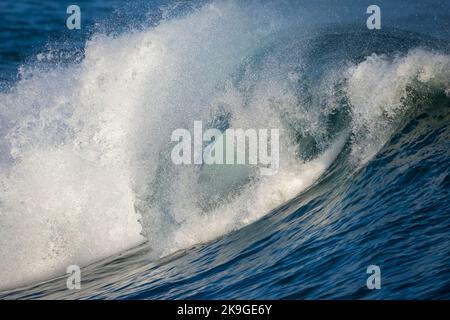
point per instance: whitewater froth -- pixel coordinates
(82, 142)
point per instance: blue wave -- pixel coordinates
(365, 116)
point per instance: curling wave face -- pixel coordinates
(85, 149)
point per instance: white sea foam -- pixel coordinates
(377, 88)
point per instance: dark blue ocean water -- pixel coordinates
(391, 210)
